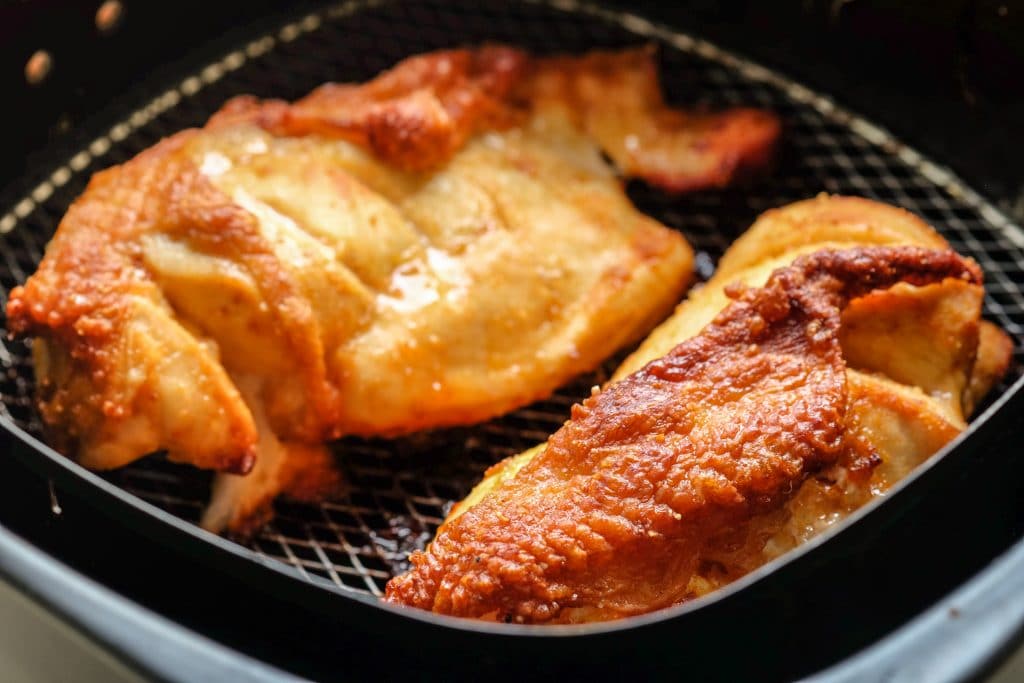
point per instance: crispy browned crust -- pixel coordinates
(610, 519)
(415, 116)
(93, 273)
(910, 353)
(81, 297)
(79, 302)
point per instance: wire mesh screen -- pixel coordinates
(399, 490)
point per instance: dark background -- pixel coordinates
(945, 76)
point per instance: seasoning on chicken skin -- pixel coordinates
(613, 515)
(918, 360)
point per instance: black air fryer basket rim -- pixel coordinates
(131, 510)
(928, 648)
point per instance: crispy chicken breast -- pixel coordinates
(744, 425)
(434, 247)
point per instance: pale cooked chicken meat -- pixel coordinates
(435, 247)
(659, 524)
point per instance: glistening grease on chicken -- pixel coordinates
(773, 419)
(437, 246)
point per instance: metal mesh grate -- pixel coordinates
(400, 489)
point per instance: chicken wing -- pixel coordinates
(613, 516)
(431, 248)
(917, 360)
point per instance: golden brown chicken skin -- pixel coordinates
(612, 516)
(918, 360)
(430, 248)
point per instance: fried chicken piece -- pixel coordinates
(119, 374)
(613, 516)
(427, 249)
(925, 336)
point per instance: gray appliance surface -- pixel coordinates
(35, 646)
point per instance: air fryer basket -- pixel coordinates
(400, 490)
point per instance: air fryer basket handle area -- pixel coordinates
(148, 643)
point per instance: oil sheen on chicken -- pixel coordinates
(435, 247)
